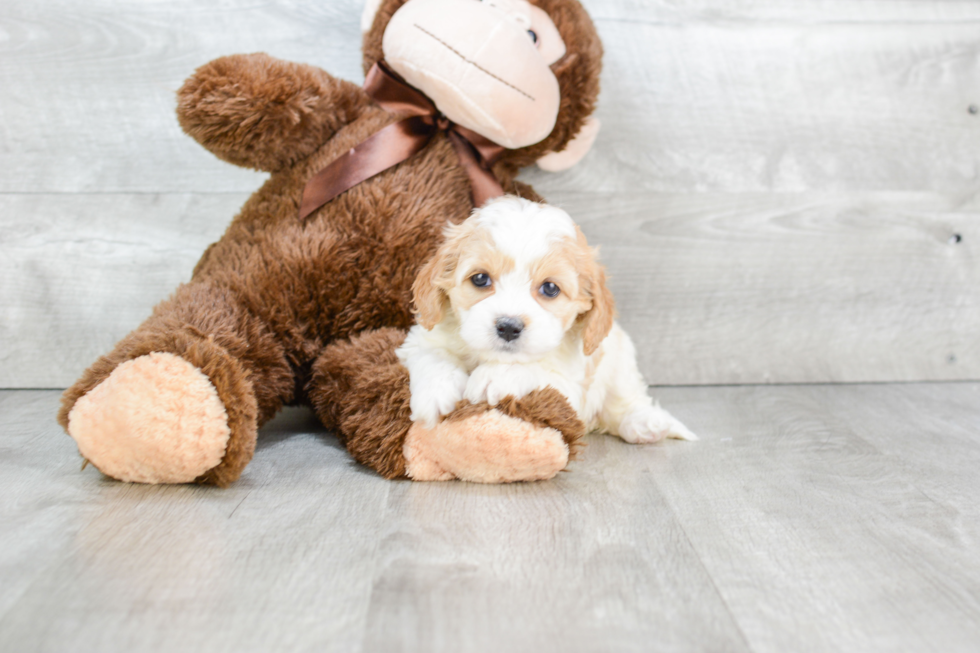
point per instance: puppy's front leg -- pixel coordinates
(491, 382)
(436, 378)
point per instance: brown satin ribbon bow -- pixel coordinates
(399, 141)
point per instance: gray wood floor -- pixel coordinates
(809, 518)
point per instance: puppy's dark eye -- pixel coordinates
(548, 289)
(533, 35)
(481, 280)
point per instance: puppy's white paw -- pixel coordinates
(652, 424)
(493, 382)
(437, 396)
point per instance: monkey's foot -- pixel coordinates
(530, 439)
(155, 419)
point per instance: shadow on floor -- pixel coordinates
(292, 421)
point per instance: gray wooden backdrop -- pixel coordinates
(783, 190)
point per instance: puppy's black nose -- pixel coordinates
(509, 328)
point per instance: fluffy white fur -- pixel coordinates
(571, 344)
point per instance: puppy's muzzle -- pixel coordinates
(509, 328)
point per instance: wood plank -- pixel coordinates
(819, 540)
(792, 288)
(764, 96)
(284, 559)
(808, 518)
(713, 288)
(78, 272)
(114, 69)
(935, 445)
(39, 492)
(914, 12)
(592, 561)
(281, 561)
(735, 107)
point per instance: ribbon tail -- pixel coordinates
(390, 92)
(484, 186)
(380, 151)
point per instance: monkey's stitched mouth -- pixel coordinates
(470, 62)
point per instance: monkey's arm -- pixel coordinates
(260, 112)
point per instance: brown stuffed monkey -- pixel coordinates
(292, 310)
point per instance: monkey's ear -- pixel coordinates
(576, 149)
(367, 16)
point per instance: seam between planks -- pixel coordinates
(707, 573)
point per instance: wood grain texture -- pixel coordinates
(713, 288)
(815, 496)
(79, 271)
(808, 518)
(792, 288)
(89, 89)
(936, 443)
(913, 12)
(144, 568)
(746, 96)
(594, 561)
(774, 186)
(784, 107)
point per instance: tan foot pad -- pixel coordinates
(155, 419)
(489, 447)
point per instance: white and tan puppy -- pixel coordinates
(514, 301)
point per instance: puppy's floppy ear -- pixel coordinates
(434, 279)
(598, 319)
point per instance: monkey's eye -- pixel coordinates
(533, 35)
(549, 289)
(481, 280)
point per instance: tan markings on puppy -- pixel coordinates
(478, 255)
(597, 322)
(436, 278)
(560, 266)
(427, 294)
(468, 250)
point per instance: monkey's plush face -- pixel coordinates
(485, 64)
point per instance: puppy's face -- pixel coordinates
(519, 276)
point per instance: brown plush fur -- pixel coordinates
(265, 113)
(360, 389)
(277, 295)
(205, 326)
